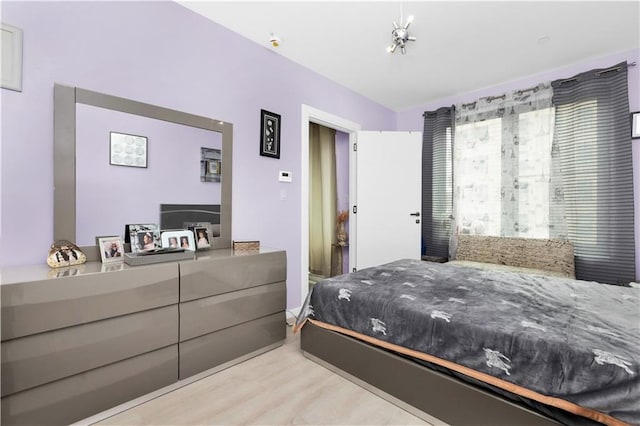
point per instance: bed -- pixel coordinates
(475, 346)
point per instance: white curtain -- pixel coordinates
(322, 198)
(506, 181)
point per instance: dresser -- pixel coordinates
(80, 340)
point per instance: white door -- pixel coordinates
(388, 194)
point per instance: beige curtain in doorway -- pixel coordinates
(322, 197)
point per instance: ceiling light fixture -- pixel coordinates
(400, 34)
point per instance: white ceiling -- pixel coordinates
(460, 47)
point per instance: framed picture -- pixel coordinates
(635, 125)
(178, 239)
(147, 240)
(134, 234)
(269, 134)
(214, 167)
(210, 164)
(11, 57)
(111, 249)
(203, 236)
(127, 150)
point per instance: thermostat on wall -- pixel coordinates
(284, 176)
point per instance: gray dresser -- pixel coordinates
(77, 341)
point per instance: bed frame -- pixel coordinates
(412, 386)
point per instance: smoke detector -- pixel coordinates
(274, 40)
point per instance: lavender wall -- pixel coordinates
(411, 119)
(163, 54)
(109, 196)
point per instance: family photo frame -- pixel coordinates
(182, 239)
(270, 124)
(111, 249)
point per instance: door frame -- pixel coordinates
(313, 115)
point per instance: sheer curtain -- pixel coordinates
(505, 180)
(593, 143)
(436, 180)
(322, 198)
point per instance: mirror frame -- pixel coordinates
(64, 155)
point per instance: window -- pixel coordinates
(503, 168)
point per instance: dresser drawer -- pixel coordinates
(209, 277)
(211, 350)
(77, 397)
(214, 313)
(42, 358)
(38, 306)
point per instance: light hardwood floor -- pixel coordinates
(280, 387)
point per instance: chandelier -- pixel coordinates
(400, 35)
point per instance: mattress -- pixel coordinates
(570, 344)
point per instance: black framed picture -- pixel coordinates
(269, 134)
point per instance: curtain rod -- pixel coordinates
(599, 73)
(536, 88)
(629, 65)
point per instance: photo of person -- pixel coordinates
(145, 241)
(174, 239)
(173, 242)
(133, 235)
(184, 242)
(111, 249)
(203, 238)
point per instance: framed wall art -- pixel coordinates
(127, 150)
(11, 57)
(210, 164)
(269, 134)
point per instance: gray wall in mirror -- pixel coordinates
(72, 105)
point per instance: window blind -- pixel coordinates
(437, 184)
(594, 144)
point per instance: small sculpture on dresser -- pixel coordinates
(65, 253)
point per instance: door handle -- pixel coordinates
(416, 214)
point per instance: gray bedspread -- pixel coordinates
(575, 340)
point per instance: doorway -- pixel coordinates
(312, 115)
(328, 202)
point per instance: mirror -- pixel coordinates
(105, 197)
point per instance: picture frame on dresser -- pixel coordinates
(111, 249)
(183, 238)
(134, 234)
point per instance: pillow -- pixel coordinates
(507, 268)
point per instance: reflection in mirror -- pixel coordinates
(110, 196)
(133, 194)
